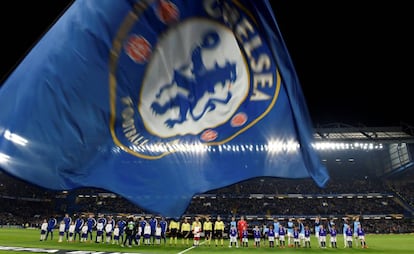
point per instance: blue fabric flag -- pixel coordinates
(157, 100)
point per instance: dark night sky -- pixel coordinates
(354, 58)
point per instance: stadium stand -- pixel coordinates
(371, 173)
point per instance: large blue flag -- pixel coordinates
(157, 100)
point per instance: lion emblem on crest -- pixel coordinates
(191, 89)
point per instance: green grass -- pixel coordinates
(393, 243)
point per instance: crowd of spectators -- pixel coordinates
(337, 185)
(405, 190)
(295, 206)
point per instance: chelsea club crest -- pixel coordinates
(188, 72)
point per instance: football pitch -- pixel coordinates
(27, 240)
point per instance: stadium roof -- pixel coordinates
(344, 132)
